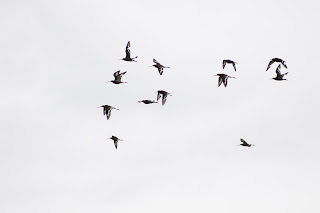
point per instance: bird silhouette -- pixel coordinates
(244, 143)
(107, 110)
(159, 66)
(128, 54)
(276, 60)
(164, 96)
(227, 61)
(280, 76)
(117, 77)
(223, 78)
(147, 102)
(115, 141)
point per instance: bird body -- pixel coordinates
(117, 77)
(227, 61)
(107, 110)
(147, 102)
(244, 143)
(223, 78)
(279, 76)
(276, 60)
(115, 141)
(128, 53)
(159, 66)
(164, 96)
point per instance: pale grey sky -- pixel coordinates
(56, 59)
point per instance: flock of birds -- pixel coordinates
(223, 78)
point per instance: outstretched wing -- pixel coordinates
(155, 61)
(224, 63)
(234, 66)
(128, 50)
(225, 82)
(278, 71)
(108, 113)
(116, 73)
(159, 95)
(164, 98)
(270, 63)
(220, 81)
(119, 76)
(284, 64)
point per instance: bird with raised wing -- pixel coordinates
(159, 66)
(227, 61)
(117, 77)
(280, 76)
(128, 54)
(276, 60)
(115, 140)
(244, 143)
(164, 95)
(107, 110)
(223, 78)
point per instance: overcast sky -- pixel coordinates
(57, 56)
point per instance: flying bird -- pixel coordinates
(164, 96)
(159, 66)
(117, 77)
(128, 54)
(280, 76)
(244, 143)
(227, 61)
(107, 110)
(147, 102)
(276, 60)
(223, 78)
(115, 141)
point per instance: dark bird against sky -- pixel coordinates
(115, 140)
(164, 96)
(223, 78)
(244, 143)
(117, 77)
(107, 110)
(128, 53)
(276, 60)
(159, 66)
(227, 61)
(147, 102)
